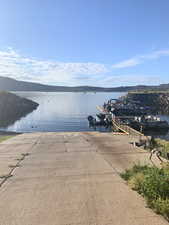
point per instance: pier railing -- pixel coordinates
(117, 123)
(125, 128)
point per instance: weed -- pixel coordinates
(153, 184)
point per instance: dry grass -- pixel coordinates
(4, 138)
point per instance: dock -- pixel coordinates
(119, 126)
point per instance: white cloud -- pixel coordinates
(127, 63)
(14, 65)
(17, 66)
(141, 59)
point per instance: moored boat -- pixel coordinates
(149, 123)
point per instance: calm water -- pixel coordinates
(60, 111)
(64, 112)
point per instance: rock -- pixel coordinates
(158, 101)
(13, 107)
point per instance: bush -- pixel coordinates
(153, 184)
(127, 174)
(135, 182)
(137, 168)
(165, 168)
(161, 206)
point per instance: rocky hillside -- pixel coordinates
(13, 107)
(159, 102)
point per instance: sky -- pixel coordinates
(106, 43)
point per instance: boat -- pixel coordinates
(146, 123)
(100, 120)
(135, 115)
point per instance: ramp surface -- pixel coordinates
(70, 179)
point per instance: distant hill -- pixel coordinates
(9, 84)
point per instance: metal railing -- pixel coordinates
(118, 124)
(125, 128)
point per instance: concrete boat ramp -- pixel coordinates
(70, 179)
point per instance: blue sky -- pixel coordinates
(85, 42)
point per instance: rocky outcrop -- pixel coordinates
(158, 101)
(13, 107)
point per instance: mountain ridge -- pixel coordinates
(10, 84)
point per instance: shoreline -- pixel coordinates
(9, 133)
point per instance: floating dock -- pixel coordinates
(123, 128)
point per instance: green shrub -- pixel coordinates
(161, 206)
(137, 168)
(127, 174)
(155, 184)
(165, 168)
(136, 181)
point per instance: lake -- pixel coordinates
(59, 111)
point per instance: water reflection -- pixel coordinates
(60, 111)
(10, 121)
(13, 108)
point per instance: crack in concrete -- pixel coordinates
(12, 170)
(13, 167)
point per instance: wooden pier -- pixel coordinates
(119, 126)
